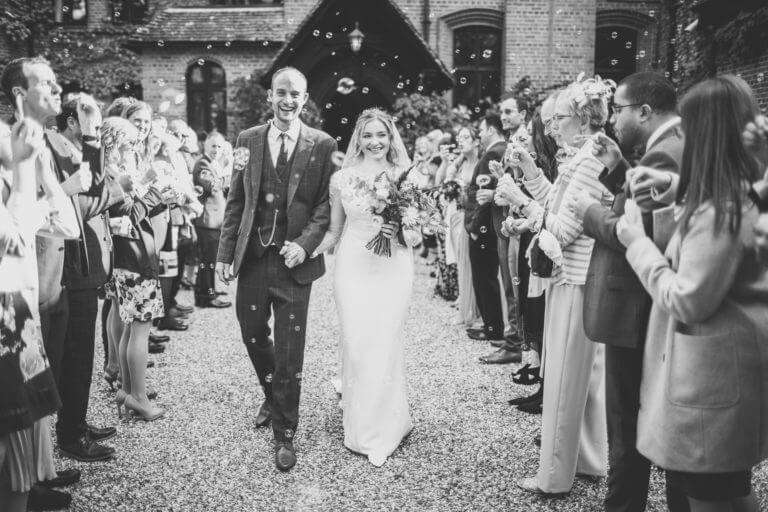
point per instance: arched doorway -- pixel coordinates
(341, 110)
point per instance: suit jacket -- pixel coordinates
(704, 391)
(308, 206)
(207, 175)
(488, 215)
(86, 262)
(616, 307)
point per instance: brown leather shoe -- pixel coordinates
(503, 356)
(264, 417)
(285, 455)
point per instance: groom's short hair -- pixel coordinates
(287, 69)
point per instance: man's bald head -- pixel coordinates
(294, 73)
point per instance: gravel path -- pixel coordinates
(466, 452)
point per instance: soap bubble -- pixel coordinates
(628, 45)
(614, 35)
(487, 54)
(328, 35)
(463, 80)
(200, 62)
(614, 62)
(159, 42)
(316, 33)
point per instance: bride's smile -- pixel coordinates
(375, 140)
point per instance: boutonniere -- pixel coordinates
(240, 157)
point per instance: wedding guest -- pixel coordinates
(513, 118)
(483, 256)
(28, 394)
(460, 171)
(704, 394)
(181, 215)
(86, 268)
(134, 288)
(140, 115)
(118, 106)
(33, 83)
(207, 174)
(616, 306)
(447, 285)
(531, 287)
(573, 436)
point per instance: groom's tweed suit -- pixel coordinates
(291, 202)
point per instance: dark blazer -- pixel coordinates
(308, 206)
(486, 216)
(616, 306)
(139, 254)
(86, 262)
(207, 176)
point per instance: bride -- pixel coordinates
(372, 293)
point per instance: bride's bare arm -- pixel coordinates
(338, 216)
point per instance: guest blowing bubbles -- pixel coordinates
(573, 420)
(704, 393)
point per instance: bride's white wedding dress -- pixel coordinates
(372, 297)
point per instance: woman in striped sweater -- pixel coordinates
(573, 431)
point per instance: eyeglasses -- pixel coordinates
(617, 108)
(558, 117)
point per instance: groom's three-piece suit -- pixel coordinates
(280, 196)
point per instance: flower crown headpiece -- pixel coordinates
(585, 90)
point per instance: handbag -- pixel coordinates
(541, 264)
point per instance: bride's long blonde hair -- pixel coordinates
(397, 154)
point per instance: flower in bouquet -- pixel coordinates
(451, 190)
(404, 205)
(240, 157)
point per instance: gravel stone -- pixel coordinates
(466, 452)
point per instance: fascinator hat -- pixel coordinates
(589, 98)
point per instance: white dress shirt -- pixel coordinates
(273, 138)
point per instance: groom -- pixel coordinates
(277, 213)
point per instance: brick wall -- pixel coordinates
(163, 76)
(693, 56)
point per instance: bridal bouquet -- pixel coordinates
(402, 203)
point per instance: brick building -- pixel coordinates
(192, 52)
(707, 37)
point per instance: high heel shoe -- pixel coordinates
(146, 413)
(527, 376)
(111, 378)
(120, 402)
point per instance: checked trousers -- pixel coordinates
(265, 285)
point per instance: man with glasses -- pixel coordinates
(616, 306)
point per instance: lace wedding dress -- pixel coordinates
(372, 297)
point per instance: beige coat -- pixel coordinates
(704, 393)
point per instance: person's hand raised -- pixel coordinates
(606, 150)
(88, 115)
(27, 139)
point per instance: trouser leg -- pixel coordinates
(77, 365)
